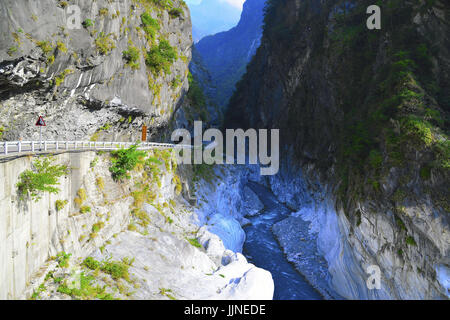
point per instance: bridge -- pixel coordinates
(19, 148)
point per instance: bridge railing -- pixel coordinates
(15, 147)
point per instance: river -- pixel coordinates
(262, 249)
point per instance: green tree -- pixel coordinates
(43, 177)
(124, 160)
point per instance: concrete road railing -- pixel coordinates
(14, 148)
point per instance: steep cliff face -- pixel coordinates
(226, 54)
(141, 238)
(93, 69)
(364, 122)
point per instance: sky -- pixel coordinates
(213, 16)
(235, 3)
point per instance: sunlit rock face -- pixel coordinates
(350, 251)
(221, 204)
(166, 252)
(78, 76)
(252, 203)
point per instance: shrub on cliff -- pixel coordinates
(161, 57)
(124, 160)
(132, 57)
(42, 178)
(198, 101)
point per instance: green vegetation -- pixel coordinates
(197, 101)
(60, 204)
(98, 226)
(42, 178)
(45, 46)
(124, 160)
(142, 217)
(401, 224)
(103, 12)
(132, 56)
(100, 183)
(63, 259)
(63, 4)
(61, 47)
(37, 292)
(12, 50)
(177, 182)
(176, 12)
(167, 293)
(59, 79)
(425, 172)
(105, 127)
(410, 241)
(132, 227)
(442, 151)
(194, 242)
(104, 43)
(176, 82)
(91, 263)
(51, 59)
(161, 57)
(81, 197)
(86, 289)
(85, 209)
(375, 159)
(418, 130)
(150, 26)
(88, 23)
(394, 114)
(117, 269)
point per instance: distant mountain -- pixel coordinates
(226, 54)
(205, 23)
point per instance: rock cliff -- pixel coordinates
(226, 54)
(364, 136)
(94, 69)
(97, 238)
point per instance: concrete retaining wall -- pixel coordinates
(32, 232)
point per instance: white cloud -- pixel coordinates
(235, 3)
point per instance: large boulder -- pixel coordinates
(252, 204)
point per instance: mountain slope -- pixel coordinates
(364, 118)
(226, 54)
(204, 23)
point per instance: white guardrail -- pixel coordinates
(10, 148)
